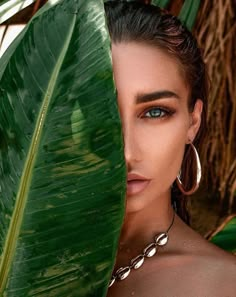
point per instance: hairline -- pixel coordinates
(163, 49)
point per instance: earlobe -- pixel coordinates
(195, 120)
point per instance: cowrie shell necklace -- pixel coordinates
(149, 251)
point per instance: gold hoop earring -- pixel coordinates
(198, 175)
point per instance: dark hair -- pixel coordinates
(145, 23)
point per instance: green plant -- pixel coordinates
(224, 236)
(188, 11)
(161, 3)
(62, 172)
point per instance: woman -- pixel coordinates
(162, 87)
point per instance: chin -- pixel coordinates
(132, 206)
(136, 203)
(145, 200)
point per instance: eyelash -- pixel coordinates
(167, 112)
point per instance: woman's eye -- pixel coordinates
(155, 113)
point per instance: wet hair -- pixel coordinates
(138, 22)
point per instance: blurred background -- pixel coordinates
(215, 29)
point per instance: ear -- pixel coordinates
(195, 121)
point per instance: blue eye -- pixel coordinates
(155, 113)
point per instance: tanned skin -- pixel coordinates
(157, 125)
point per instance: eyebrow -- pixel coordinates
(142, 98)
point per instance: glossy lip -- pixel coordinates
(136, 183)
(135, 176)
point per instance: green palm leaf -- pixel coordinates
(189, 12)
(62, 170)
(225, 235)
(161, 3)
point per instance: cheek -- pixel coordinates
(164, 148)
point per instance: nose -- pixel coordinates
(131, 145)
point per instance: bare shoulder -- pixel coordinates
(208, 255)
(219, 267)
(193, 267)
(207, 272)
(210, 273)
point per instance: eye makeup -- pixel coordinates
(157, 112)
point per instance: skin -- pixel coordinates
(155, 135)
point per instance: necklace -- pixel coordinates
(150, 250)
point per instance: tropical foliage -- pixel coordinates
(224, 235)
(62, 171)
(187, 13)
(216, 30)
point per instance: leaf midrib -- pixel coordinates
(21, 199)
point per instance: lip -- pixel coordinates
(135, 176)
(136, 183)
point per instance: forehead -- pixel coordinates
(140, 67)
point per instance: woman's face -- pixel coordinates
(156, 122)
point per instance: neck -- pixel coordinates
(140, 227)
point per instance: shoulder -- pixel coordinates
(190, 276)
(219, 267)
(206, 271)
(215, 270)
(209, 272)
(189, 266)
(194, 267)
